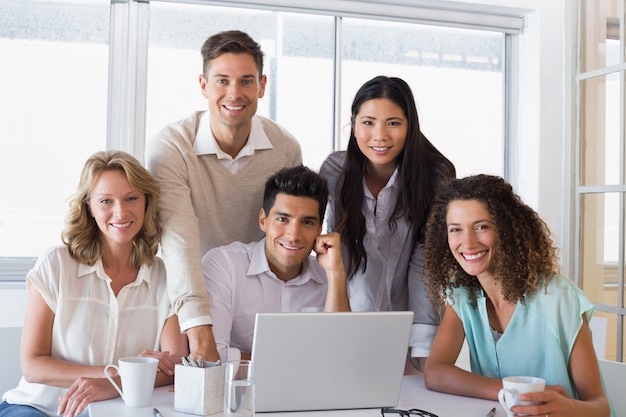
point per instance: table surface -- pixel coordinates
(413, 395)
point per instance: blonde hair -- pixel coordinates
(82, 235)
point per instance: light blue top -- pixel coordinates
(538, 340)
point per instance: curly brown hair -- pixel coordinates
(82, 235)
(525, 258)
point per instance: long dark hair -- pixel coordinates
(421, 169)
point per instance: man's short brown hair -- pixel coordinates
(230, 41)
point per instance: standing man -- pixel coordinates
(277, 273)
(211, 168)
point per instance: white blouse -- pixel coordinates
(91, 325)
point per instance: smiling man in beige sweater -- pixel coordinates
(211, 168)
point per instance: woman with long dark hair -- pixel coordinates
(381, 189)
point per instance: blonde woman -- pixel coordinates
(100, 296)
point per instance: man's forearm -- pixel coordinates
(337, 293)
(202, 343)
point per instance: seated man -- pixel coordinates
(277, 273)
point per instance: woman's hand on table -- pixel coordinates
(82, 392)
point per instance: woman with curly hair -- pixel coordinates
(498, 273)
(99, 297)
(381, 188)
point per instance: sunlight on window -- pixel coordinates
(446, 68)
(53, 101)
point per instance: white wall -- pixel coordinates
(545, 172)
(543, 137)
(12, 305)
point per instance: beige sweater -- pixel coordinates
(203, 205)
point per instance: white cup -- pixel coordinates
(138, 375)
(239, 389)
(514, 386)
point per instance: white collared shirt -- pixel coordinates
(240, 284)
(91, 325)
(206, 144)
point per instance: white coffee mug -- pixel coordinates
(138, 375)
(514, 386)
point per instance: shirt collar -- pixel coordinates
(259, 265)
(85, 270)
(390, 184)
(258, 261)
(206, 144)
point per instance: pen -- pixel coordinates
(157, 413)
(491, 412)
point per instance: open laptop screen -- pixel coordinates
(327, 361)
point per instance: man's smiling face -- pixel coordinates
(291, 229)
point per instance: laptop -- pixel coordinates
(329, 361)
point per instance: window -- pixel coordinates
(457, 78)
(446, 68)
(53, 102)
(299, 52)
(70, 92)
(601, 173)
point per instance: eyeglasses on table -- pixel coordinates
(392, 412)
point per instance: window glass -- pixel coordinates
(600, 129)
(54, 93)
(456, 76)
(53, 104)
(177, 32)
(598, 232)
(298, 65)
(304, 86)
(600, 25)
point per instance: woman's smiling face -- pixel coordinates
(117, 207)
(472, 236)
(380, 128)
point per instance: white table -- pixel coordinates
(413, 395)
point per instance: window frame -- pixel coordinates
(614, 31)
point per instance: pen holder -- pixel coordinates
(199, 390)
